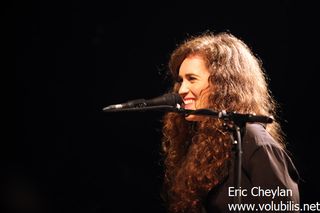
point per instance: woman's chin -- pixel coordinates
(194, 118)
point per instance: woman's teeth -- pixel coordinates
(189, 101)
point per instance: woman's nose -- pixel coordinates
(184, 88)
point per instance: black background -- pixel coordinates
(73, 58)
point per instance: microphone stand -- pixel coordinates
(238, 122)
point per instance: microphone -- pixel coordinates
(169, 99)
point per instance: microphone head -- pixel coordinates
(172, 99)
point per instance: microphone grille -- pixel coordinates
(173, 99)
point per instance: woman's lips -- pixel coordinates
(189, 103)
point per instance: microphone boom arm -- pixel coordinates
(237, 118)
(231, 116)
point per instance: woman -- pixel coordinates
(219, 72)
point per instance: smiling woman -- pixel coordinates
(193, 76)
(219, 72)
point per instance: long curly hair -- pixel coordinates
(197, 155)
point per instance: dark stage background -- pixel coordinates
(73, 58)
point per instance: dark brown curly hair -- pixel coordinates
(197, 155)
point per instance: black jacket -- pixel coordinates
(269, 179)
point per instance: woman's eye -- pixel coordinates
(191, 78)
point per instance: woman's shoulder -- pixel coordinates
(258, 145)
(256, 136)
(261, 150)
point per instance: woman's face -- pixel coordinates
(194, 87)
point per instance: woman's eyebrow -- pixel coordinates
(188, 75)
